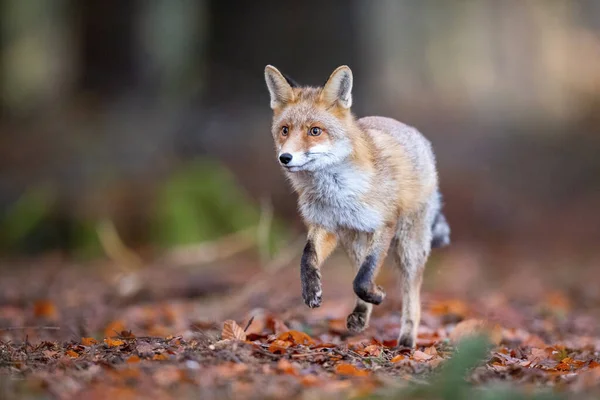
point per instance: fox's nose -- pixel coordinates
(285, 158)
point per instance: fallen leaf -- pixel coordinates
(373, 350)
(453, 307)
(297, 338)
(593, 364)
(398, 358)
(286, 367)
(110, 342)
(160, 357)
(310, 380)
(350, 370)
(420, 356)
(133, 359)
(88, 341)
(45, 309)
(431, 351)
(72, 354)
(113, 328)
(232, 331)
(279, 346)
(472, 327)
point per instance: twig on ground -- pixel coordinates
(259, 283)
(20, 328)
(208, 252)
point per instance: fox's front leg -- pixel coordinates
(319, 246)
(364, 282)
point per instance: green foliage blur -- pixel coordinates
(199, 202)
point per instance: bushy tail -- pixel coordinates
(440, 229)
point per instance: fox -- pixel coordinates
(369, 185)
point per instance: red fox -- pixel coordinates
(368, 184)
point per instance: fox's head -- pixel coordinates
(311, 125)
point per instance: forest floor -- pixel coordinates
(237, 330)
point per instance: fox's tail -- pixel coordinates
(440, 229)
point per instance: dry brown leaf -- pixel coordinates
(593, 364)
(371, 350)
(45, 309)
(398, 358)
(420, 356)
(310, 380)
(88, 341)
(279, 346)
(133, 359)
(160, 357)
(453, 306)
(110, 342)
(471, 327)
(296, 337)
(431, 351)
(286, 367)
(113, 328)
(232, 331)
(72, 354)
(350, 370)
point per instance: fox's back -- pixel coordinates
(406, 146)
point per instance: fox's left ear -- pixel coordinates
(339, 87)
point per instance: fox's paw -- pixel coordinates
(406, 340)
(312, 291)
(370, 293)
(356, 322)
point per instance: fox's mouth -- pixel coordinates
(297, 168)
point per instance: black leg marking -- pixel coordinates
(310, 277)
(363, 284)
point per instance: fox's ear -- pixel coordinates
(339, 87)
(279, 88)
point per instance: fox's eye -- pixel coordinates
(285, 130)
(315, 131)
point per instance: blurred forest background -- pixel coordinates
(154, 115)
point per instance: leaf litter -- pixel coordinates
(277, 348)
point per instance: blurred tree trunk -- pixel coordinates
(107, 46)
(34, 54)
(307, 40)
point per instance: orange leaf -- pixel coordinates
(45, 309)
(231, 330)
(72, 353)
(110, 342)
(309, 380)
(562, 366)
(398, 358)
(88, 341)
(593, 364)
(296, 337)
(431, 351)
(420, 356)
(286, 367)
(279, 346)
(133, 359)
(113, 329)
(471, 327)
(350, 370)
(455, 307)
(372, 350)
(160, 357)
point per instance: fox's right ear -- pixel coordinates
(280, 90)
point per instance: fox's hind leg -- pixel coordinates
(411, 248)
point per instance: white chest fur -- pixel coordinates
(332, 199)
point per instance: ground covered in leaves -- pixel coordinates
(238, 330)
